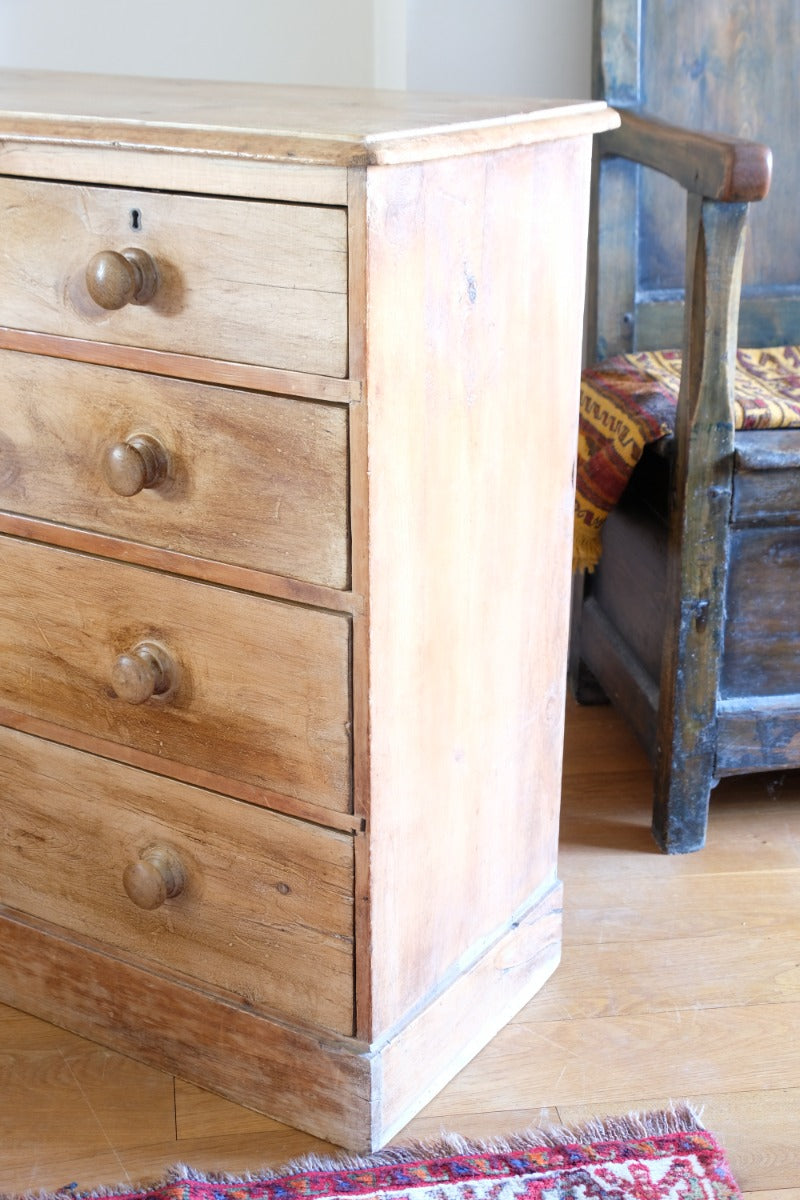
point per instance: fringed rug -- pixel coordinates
(662, 1156)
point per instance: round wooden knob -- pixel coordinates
(115, 279)
(155, 877)
(145, 671)
(140, 462)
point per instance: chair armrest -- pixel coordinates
(711, 165)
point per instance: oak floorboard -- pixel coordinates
(680, 980)
(202, 1114)
(774, 1194)
(662, 976)
(235, 1154)
(611, 1059)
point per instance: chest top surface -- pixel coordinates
(321, 125)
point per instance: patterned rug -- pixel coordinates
(661, 1156)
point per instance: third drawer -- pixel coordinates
(257, 691)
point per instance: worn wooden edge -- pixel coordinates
(527, 129)
(712, 165)
(204, 570)
(223, 785)
(757, 733)
(616, 38)
(699, 533)
(244, 376)
(136, 167)
(314, 1081)
(469, 1008)
(358, 445)
(511, 123)
(342, 1089)
(768, 450)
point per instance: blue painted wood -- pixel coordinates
(729, 66)
(611, 288)
(616, 42)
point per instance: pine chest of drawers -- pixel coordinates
(288, 387)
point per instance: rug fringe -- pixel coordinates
(678, 1118)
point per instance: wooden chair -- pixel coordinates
(690, 624)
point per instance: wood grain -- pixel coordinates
(468, 556)
(761, 647)
(263, 691)
(255, 480)
(185, 366)
(766, 488)
(278, 937)
(649, 990)
(309, 1076)
(279, 273)
(321, 125)
(410, 707)
(697, 549)
(710, 165)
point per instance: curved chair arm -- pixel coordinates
(711, 165)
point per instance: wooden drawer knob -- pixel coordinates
(115, 279)
(156, 876)
(145, 671)
(140, 462)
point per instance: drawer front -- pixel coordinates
(264, 904)
(255, 480)
(256, 690)
(242, 280)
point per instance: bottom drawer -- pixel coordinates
(263, 906)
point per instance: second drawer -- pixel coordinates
(253, 689)
(255, 480)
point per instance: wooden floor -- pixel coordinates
(680, 980)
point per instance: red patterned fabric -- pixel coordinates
(629, 401)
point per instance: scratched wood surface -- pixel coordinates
(66, 620)
(257, 480)
(279, 273)
(679, 980)
(280, 937)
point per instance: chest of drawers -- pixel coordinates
(288, 398)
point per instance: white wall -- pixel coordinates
(278, 41)
(527, 47)
(511, 47)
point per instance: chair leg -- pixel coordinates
(685, 754)
(699, 534)
(680, 805)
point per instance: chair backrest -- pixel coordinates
(731, 66)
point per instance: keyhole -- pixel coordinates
(136, 219)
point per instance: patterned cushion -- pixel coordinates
(629, 401)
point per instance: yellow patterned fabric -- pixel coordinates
(629, 401)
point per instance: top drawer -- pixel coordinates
(241, 280)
